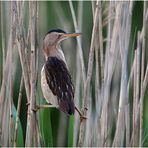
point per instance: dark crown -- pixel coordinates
(56, 30)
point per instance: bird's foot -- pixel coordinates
(28, 103)
(35, 109)
(82, 117)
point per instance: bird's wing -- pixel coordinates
(59, 81)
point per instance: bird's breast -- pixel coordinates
(47, 93)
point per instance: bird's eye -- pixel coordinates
(59, 36)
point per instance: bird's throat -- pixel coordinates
(54, 52)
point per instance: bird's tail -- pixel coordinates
(67, 107)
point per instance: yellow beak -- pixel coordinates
(71, 34)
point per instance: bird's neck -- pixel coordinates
(54, 52)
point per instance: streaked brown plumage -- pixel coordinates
(56, 81)
(59, 81)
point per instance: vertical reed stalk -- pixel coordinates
(32, 122)
(124, 46)
(10, 81)
(142, 74)
(78, 41)
(18, 111)
(101, 42)
(86, 101)
(78, 75)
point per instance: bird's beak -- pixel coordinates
(71, 34)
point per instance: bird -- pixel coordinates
(56, 81)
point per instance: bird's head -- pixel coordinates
(54, 37)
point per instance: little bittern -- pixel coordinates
(56, 80)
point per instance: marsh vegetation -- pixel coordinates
(108, 64)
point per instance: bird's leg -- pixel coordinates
(43, 106)
(80, 114)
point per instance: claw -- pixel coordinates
(36, 109)
(28, 103)
(82, 118)
(81, 115)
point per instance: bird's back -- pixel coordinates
(60, 83)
